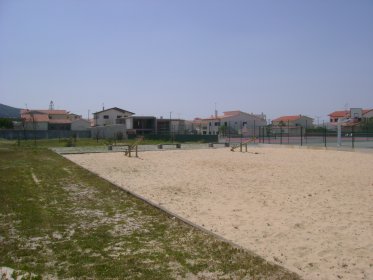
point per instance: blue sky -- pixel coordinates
(186, 57)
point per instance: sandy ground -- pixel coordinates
(310, 211)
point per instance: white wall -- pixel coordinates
(112, 116)
(80, 124)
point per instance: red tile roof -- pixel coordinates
(340, 114)
(35, 117)
(47, 112)
(231, 113)
(287, 118)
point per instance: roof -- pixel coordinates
(44, 116)
(35, 117)
(340, 114)
(114, 108)
(365, 111)
(226, 114)
(9, 112)
(288, 118)
(47, 112)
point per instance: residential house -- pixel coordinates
(337, 115)
(45, 119)
(50, 120)
(296, 120)
(111, 116)
(230, 122)
(356, 114)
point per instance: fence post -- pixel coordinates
(325, 136)
(301, 135)
(288, 132)
(353, 137)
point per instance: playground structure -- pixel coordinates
(129, 148)
(240, 145)
(133, 147)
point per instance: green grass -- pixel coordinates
(58, 220)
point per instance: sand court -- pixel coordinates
(310, 211)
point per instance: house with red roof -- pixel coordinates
(354, 114)
(294, 120)
(336, 115)
(51, 120)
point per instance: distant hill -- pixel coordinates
(9, 112)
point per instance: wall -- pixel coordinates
(303, 121)
(36, 126)
(80, 124)
(113, 115)
(109, 131)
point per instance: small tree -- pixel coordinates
(6, 123)
(223, 130)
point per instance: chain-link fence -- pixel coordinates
(350, 137)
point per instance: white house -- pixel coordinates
(230, 122)
(111, 116)
(297, 120)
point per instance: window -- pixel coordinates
(106, 117)
(119, 116)
(217, 124)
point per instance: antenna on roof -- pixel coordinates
(51, 105)
(103, 106)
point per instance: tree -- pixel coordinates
(223, 130)
(6, 123)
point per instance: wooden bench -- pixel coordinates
(211, 145)
(160, 146)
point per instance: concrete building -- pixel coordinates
(140, 125)
(175, 126)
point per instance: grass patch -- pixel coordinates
(58, 220)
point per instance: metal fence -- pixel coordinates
(351, 137)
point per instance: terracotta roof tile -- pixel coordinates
(287, 118)
(340, 114)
